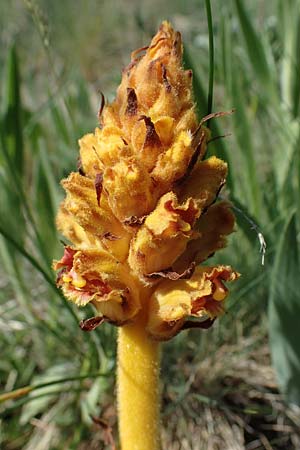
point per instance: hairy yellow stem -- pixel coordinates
(138, 389)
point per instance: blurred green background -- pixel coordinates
(235, 386)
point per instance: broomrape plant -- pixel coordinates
(142, 218)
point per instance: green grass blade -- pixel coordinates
(17, 393)
(12, 120)
(255, 49)
(38, 267)
(201, 108)
(211, 57)
(199, 91)
(244, 131)
(296, 84)
(226, 51)
(247, 222)
(289, 17)
(60, 122)
(45, 199)
(284, 312)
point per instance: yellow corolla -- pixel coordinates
(201, 296)
(141, 213)
(95, 276)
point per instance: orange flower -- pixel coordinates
(140, 213)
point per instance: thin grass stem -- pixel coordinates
(27, 389)
(211, 58)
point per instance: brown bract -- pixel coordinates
(141, 212)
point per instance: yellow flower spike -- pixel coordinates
(141, 214)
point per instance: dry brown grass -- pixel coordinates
(232, 403)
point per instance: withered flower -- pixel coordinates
(141, 213)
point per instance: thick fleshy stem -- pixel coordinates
(138, 389)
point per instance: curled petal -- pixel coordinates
(173, 275)
(95, 276)
(163, 236)
(205, 181)
(202, 296)
(213, 228)
(91, 323)
(96, 220)
(66, 261)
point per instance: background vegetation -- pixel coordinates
(219, 386)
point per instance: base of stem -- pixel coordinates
(138, 389)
